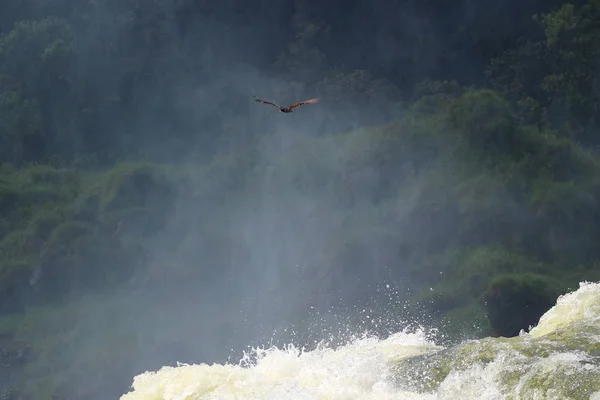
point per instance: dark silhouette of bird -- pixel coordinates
(290, 108)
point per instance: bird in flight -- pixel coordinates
(290, 108)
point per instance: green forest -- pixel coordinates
(151, 212)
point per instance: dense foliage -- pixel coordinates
(453, 156)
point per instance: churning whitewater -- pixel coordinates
(558, 359)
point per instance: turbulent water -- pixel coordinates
(558, 359)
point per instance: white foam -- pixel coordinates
(581, 306)
(361, 370)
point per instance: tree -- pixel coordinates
(553, 80)
(35, 61)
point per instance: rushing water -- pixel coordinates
(558, 359)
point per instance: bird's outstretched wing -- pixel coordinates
(266, 102)
(300, 103)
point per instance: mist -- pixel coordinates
(203, 223)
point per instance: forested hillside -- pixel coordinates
(151, 212)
